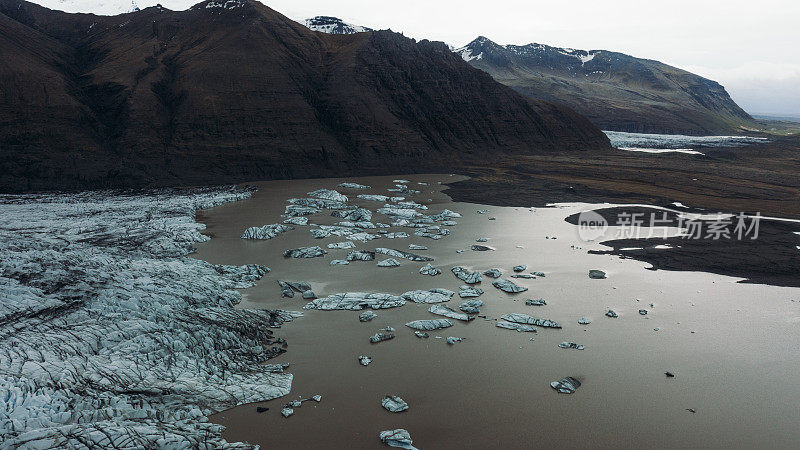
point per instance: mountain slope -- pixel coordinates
(234, 91)
(615, 91)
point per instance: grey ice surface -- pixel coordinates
(509, 286)
(514, 326)
(393, 403)
(398, 438)
(429, 324)
(111, 336)
(528, 320)
(402, 254)
(466, 276)
(441, 310)
(471, 306)
(566, 385)
(429, 296)
(389, 262)
(265, 232)
(355, 301)
(597, 274)
(428, 269)
(305, 252)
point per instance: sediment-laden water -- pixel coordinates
(729, 345)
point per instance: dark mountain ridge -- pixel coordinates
(229, 92)
(614, 90)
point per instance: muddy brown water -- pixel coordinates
(733, 347)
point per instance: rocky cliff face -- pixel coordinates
(233, 91)
(615, 91)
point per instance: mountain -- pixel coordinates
(333, 25)
(615, 91)
(234, 91)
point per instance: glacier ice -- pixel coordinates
(111, 336)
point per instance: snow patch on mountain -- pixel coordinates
(333, 25)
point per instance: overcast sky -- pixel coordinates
(749, 47)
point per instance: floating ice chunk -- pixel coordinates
(309, 295)
(297, 220)
(538, 302)
(355, 301)
(429, 324)
(398, 438)
(341, 245)
(397, 235)
(481, 239)
(320, 203)
(466, 276)
(288, 287)
(363, 237)
(317, 398)
(349, 185)
(265, 232)
(401, 254)
(417, 247)
(445, 311)
(597, 274)
(611, 313)
(366, 316)
(526, 276)
(493, 273)
(401, 181)
(643, 312)
(389, 262)
(358, 224)
(481, 248)
(364, 360)
(328, 194)
(509, 286)
(355, 215)
(566, 385)
(452, 339)
(429, 296)
(515, 326)
(373, 198)
(570, 345)
(584, 321)
(471, 306)
(380, 337)
(434, 232)
(361, 255)
(469, 291)
(393, 403)
(286, 412)
(483, 211)
(446, 214)
(403, 213)
(428, 269)
(305, 252)
(300, 210)
(520, 268)
(528, 320)
(421, 335)
(340, 262)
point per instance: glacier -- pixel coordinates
(112, 336)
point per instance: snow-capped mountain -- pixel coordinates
(616, 91)
(333, 25)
